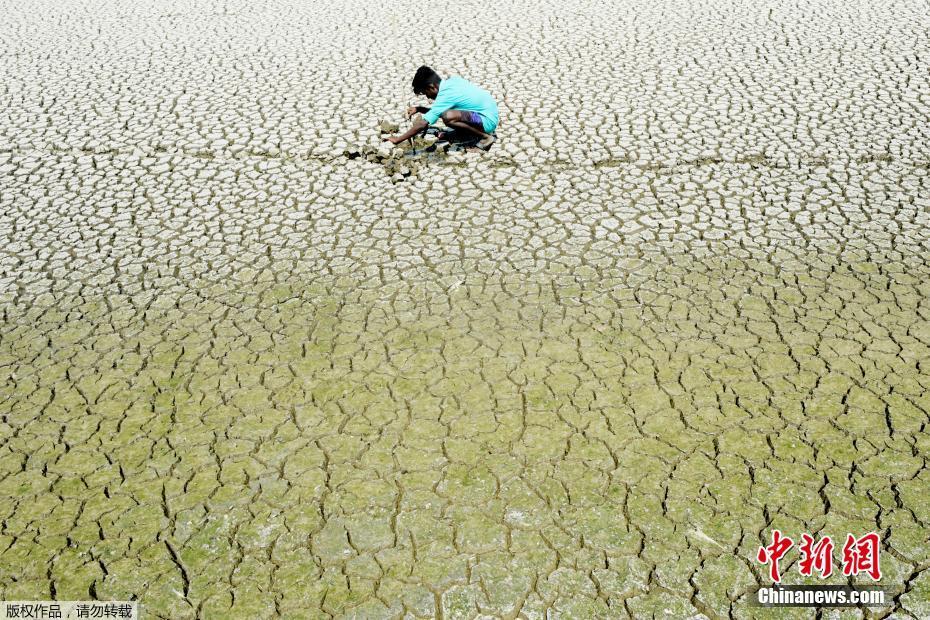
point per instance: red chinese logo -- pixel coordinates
(774, 552)
(860, 555)
(816, 556)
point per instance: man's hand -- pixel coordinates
(416, 127)
(415, 109)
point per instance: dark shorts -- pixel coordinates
(472, 118)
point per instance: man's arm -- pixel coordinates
(443, 102)
(416, 127)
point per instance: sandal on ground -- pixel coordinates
(485, 143)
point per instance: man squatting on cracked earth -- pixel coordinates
(461, 105)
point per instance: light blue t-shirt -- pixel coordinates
(457, 93)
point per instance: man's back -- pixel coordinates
(458, 93)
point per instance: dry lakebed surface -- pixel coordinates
(255, 364)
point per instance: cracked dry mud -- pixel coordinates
(682, 301)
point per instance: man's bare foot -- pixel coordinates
(486, 143)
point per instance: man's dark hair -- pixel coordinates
(423, 78)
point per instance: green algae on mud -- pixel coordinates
(691, 409)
